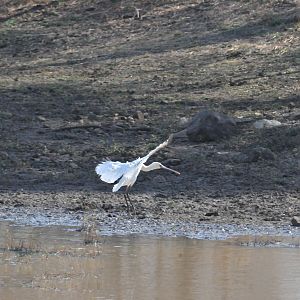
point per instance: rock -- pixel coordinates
(295, 115)
(130, 119)
(141, 215)
(212, 213)
(41, 118)
(73, 165)
(204, 219)
(183, 121)
(295, 221)
(257, 153)
(255, 208)
(291, 104)
(4, 155)
(107, 206)
(253, 155)
(139, 116)
(209, 126)
(264, 123)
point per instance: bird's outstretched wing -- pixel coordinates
(162, 145)
(111, 171)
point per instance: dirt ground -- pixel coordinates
(84, 80)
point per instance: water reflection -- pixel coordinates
(55, 263)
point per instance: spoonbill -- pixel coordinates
(125, 174)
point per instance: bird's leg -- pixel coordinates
(127, 204)
(129, 200)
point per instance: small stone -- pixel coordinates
(183, 121)
(41, 118)
(255, 208)
(130, 119)
(107, 206)
(204, 219)
(295, 115)
(258, 153)
(74, 165)
(291, 104)
(141, 215)
(140, 116)
(295, 221)
(264, 123)
(212, 213)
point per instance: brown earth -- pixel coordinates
(85, 80)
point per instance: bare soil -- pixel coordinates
(85, 80)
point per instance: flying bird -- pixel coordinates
(125, 174)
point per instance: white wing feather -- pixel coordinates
(110, 171)
(162, 145)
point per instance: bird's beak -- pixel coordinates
(177, 173)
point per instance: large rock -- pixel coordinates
(210, 126)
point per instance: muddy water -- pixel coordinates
(58, 262)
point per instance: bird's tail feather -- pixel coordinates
(117, 187)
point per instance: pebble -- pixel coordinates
(141, 215)
(73, 165)
(107, 206)
(41, 118)
(183, 121)
(295, 221)
(140, 116)
(212, 213)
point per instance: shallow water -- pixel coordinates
(57, 262)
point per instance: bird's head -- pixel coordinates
(161, 166)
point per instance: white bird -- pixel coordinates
(127, 173)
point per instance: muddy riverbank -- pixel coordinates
(95, 225)
(78, 87)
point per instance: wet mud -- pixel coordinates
(98, 225)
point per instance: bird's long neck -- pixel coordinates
(153, 166)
